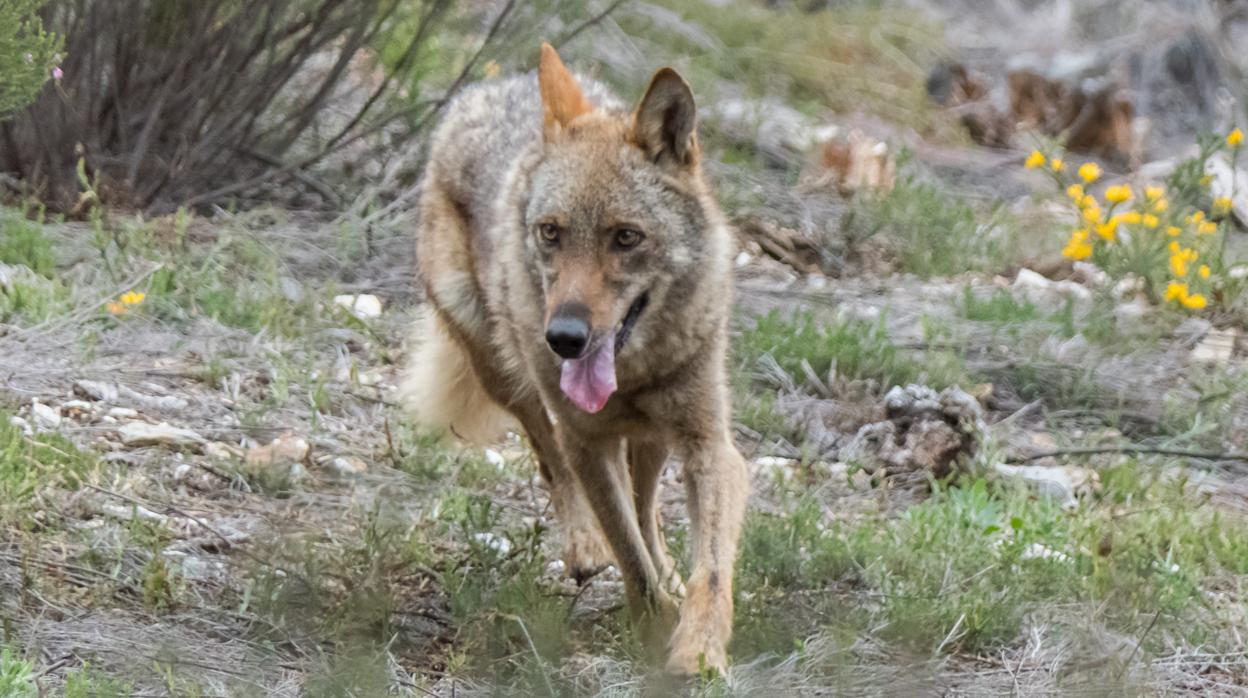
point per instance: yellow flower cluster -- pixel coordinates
(1178, 291)
(128, 300)
(1127, 231)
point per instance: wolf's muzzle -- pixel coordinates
(568, 330)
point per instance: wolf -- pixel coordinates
(578, 274)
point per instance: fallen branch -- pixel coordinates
(1132, 449)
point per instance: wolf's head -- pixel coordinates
(617, 216)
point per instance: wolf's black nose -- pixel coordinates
(568, 331)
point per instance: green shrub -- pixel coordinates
(27, 54)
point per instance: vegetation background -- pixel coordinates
(989, 359)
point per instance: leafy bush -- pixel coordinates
(199, 102)
(27, 54)
(1170, 240)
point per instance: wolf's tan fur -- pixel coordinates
(554, 153)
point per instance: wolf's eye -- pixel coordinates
(548, 232)
(627, 238)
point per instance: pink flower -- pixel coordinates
(57, 73)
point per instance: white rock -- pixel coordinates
(297, 472)
(220, 451)
(136, 434)
(364, 306)
(126, 513)
(1063, 483)
(46, 418)
(743, 258)
(21, 424)
(152, 402)
(123, 412)
(498, 544)
(1131, 313)
(1216, 347)
(1090, 274)
(286, 448)
(181, 472)
(495, 458)
(348, 466)
(79, 405)
(1036, 551)
(1129, 286)
(96, 390)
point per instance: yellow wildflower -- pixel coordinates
(1174, 231)
(1161, 205)
(1196, 217)
(1204, 181)
(1151, 221)
(133, 297)
(116, 307)
(1090, 172)
(1075, 191)
(1092, 214)
(1077, 250)
(1175, 247)
(1203, 271)
(1234, 138)
(1154, 192)
(1118, 193)
(1058, 165)
(1207, 228)
(1087, 201)
(1108, 230)
(1036, 159)
(1178, 265)
(1221, 205)
(1131, 218)
(1176, 291)
(492, 69)
(1196, 301)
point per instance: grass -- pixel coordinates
(856, 349)
(23, 242)
(964, 570)
(31, 464)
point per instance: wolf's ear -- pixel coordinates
(664, 123)
(562, 99)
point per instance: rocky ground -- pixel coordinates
(976, 469)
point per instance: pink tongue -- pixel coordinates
(590, 380)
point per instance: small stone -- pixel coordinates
(498, 544)
(137, 434)
(286, 448)
(22, 424)
(96, 390)
(181, 472)
(297, 472)
(45, 418)
(1063, 483)
(347, 466)
(77, 406)
(1217, 347)
(364, 306)
(743, 259)
(495, 458)
(123, 413)
(219, 451)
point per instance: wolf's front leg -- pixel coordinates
(603, 475)
(718, 486)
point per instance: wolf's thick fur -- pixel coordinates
(545, 200)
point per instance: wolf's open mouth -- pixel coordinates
(630, 319)
(589, 381)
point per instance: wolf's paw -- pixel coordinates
(705, 626)
(585, 554)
